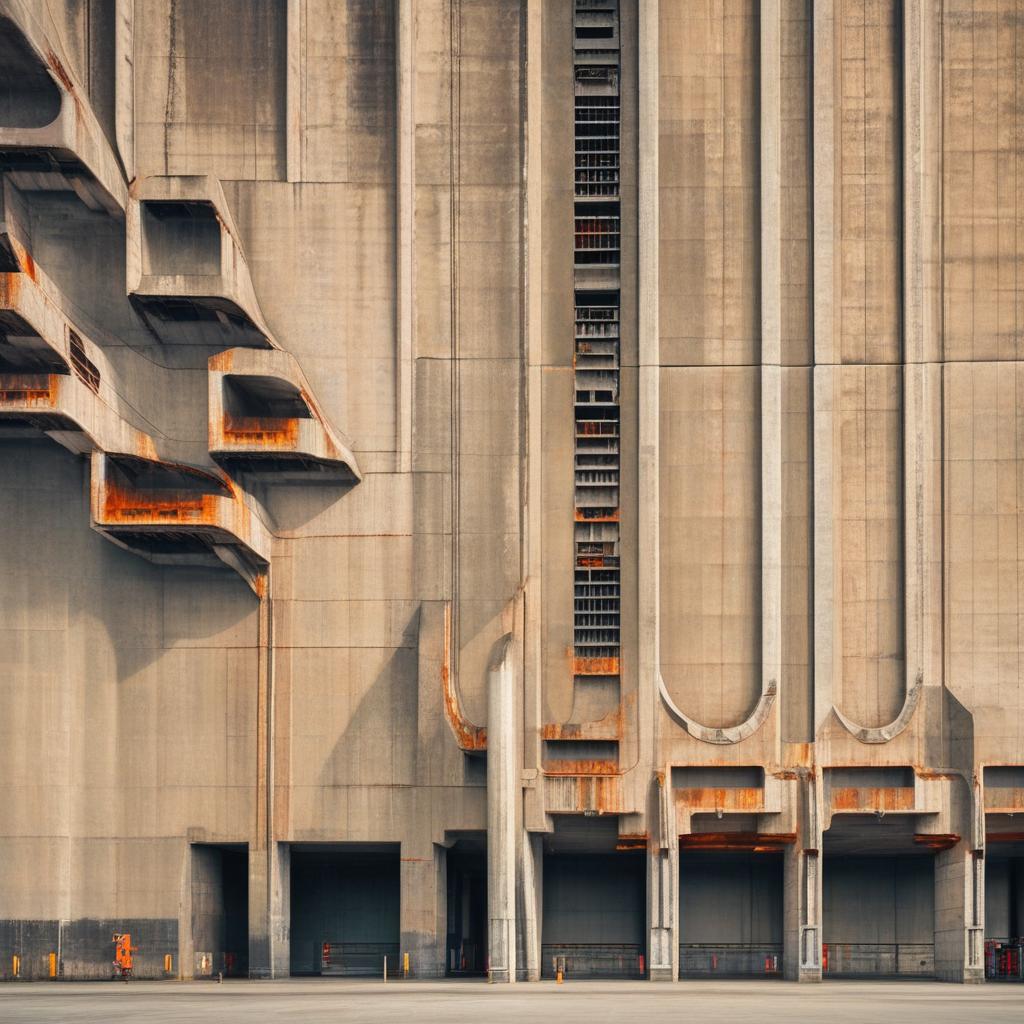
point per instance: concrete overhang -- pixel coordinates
(50, 139)
(177, 514)
(264, 420)
(186, 270)
(53, 377)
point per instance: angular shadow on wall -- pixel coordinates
(379, 733)
(293, 505)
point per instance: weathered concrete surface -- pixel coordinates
(820, 506)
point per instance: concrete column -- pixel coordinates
(959, 914)
(269, 861)
(802, 906)
(269, 911)
(662, 885)
(423, 913)
(531, 887)
(124, 83)
(501, 813)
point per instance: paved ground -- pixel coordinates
(317, 1001)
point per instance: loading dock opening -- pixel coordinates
(344, 908)
(467, 909)
(220, 910)
(730, 913)
(594, 915)
(878, 899)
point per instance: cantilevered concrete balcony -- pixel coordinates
(187, 273)
(264, 420)
(52, 376)
(50, 138)
(178, 515)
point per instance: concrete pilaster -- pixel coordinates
(959, 915)
(662, 885)
(405, 241)
(501, 813)
(802, 895)
(269, 911)
(531, 886)
(423, 909)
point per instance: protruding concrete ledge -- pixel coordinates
(176, 514)
(884, 733)
(187, 273)
(725, 734)
(265, 421)
(50, 138)
(52, 375)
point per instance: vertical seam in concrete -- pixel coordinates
(823, 156)
(771, 332)
(405, 227)
(534, 401)
(649, 428)
(294, 79)
(915, 377)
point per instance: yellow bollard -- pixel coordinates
(16, 966)
(405, 965)
(558, 976)
(168, 963)
(53, 965)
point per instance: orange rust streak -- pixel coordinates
(10, 285)
(595, 666)
(937, 841)
(759, 841)
(853, 798)
(581, 766)
(31, 388)
(262, 432)
(123, 505)
(1004, 837)
(468, 736)
(59, 70)
(745, 798)
(607, 728)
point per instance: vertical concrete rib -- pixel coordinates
(823, 42)
(124, 83)
(294, 78)
(649, 554)
(532, 517)
(501, 813)
(405, 227)
(771, 343)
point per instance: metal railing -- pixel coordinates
(358, 959)
(598, 960)
(730, 959)
(874, 959)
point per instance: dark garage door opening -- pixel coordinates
(467, 909)
(730, 913)
(345, 909)
(1004, 914)
(220, 910)
(594, 917)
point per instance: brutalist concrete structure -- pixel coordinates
(512, 485)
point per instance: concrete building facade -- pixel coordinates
(512, 485)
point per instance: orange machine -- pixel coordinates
(123, 950)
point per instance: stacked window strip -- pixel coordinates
(597, 584)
